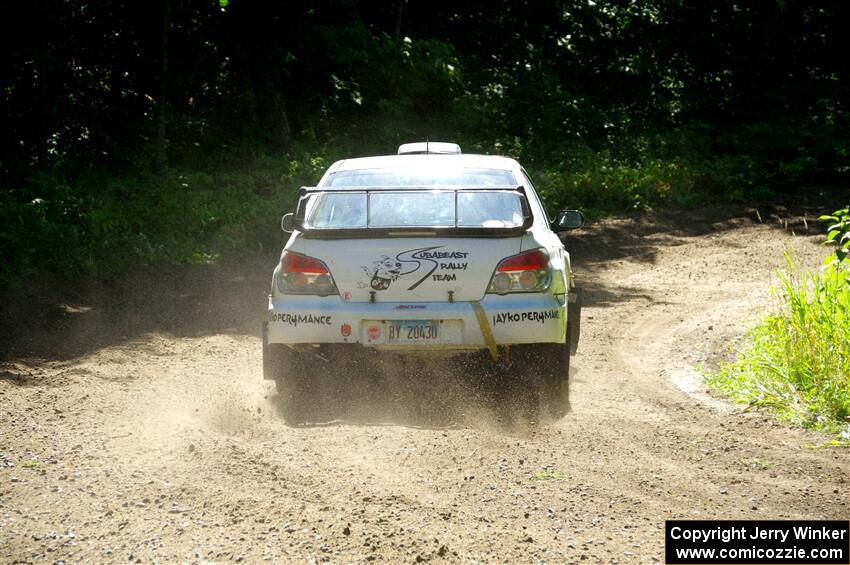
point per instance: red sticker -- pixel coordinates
(374, 332)
(345, 330)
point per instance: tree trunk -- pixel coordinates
(250, 96)
(162, 104)
(43, 108)
(282, 133)
(398, 19)
(44, 68)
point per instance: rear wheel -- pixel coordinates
(293, 398)
(553, 387)
(555, 390)
(546, 368)
(286, 368)
(290, 385)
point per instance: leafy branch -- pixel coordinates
(838, 234)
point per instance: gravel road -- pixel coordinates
(135, 424)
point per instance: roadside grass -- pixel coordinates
(756, 463)
(548, 476)
(797, 362)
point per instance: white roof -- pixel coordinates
(424, 161)
(429, 147)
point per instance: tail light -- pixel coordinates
(300, 274)
(526, 272)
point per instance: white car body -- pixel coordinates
(385, 284)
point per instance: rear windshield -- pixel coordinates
(440, 176)
(397, 209)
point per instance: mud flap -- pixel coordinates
(574, 318)
(486, 330)
(275, 357)
(269, 368)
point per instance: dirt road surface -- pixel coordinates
(135, 424)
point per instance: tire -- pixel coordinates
(554, 390)
(286, 368)
(545, 367)
(574, 318)
(293, 399)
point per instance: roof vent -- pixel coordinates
(429, 148)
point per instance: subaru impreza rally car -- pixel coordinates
(426, 252)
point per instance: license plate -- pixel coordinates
(413, 331)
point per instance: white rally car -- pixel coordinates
(426, 252)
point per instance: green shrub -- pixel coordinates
(799, 361)
(220, 198)
(601, 184)
(838, 234)
(104, 224)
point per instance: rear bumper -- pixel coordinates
(512, 319)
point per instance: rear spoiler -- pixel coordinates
(305, 192)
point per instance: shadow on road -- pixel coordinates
(58, 322)
(638, 240)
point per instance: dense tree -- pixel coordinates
(92, 79)
(731, 97)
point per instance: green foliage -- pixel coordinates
(798, 364)
(65, 223)
(601, 185)
(838, 234)
(104, 224)
(613, 107)
(429, 71)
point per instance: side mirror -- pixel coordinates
(286, 222)
(567, 220)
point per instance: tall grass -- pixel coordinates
(798, 364)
